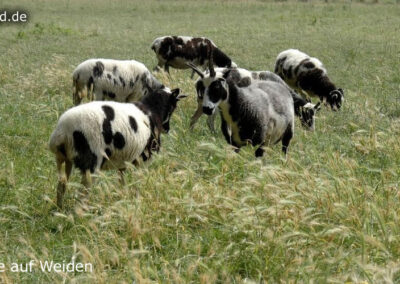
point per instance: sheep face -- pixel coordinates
(335, 99)
(215, 93)
(307, 115)
(172, 100)
(164, 103)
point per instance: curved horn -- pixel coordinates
(195, 69)
(317, 106)
(211, 59)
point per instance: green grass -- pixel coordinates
(330, 213)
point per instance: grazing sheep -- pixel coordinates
(177, 51)
(243, 78)
(103, 135)
(116, 80)
(307, 74)
(260, 113)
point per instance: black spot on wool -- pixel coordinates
(107, 131)
(279, 64)
(98, 69)
(221, 59)
(233, 75)
(263, 75)
(309, 65)
(109, 94)
(144, 157)
(122, 81)
(119, 140)
(250, 128)
(114, 70)
(109, 76)
(244, 82)
(90, 82)
(296, 69)
(133, 123)
(86, 159)
(131, 83)
(315, 81)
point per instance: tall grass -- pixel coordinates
(198, 212)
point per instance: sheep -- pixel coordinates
(242, 77)
(258, 114)
(308, 76)
(117, 80)
(104, 135)
(177, 51)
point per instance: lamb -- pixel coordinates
(308, 76)
(258, 114)
(117, 80)
(104, 135)
(243, 78)
(177, 51)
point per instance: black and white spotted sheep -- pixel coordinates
(259, 114)
(243, 78)
(104, 135)
(116, 80)
(308, 76)
(177, 51)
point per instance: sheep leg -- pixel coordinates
(196, 116)
(166, 68)
(62, 182)
(77, 96)
(287, 136)
(91, 95)
(191, 76)
(86, 179)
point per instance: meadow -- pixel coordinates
(198, 212)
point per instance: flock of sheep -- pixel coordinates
(132, 108)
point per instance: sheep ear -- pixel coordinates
(175, 92)
(244, 82)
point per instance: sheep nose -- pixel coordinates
(207, 110)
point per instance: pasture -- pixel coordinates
(199, 212)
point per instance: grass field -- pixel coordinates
(329, 213)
